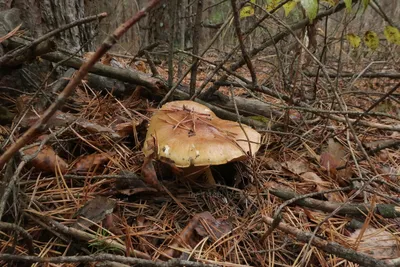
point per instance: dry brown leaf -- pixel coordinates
(297, 166)
(377, 243)
(390, 173)
(314, 178)
(214, 228)
(201, 225)
(343, 176)
(272, 184)
(333, 157)
(140, 66)
(149, 173)
(321, 185)
(105, 60)
(46, 160)
(272, 164)
(127, 128)
(90, 162)
(94, 211)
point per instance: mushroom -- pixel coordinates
(191, 137)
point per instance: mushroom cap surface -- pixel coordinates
(190, 134)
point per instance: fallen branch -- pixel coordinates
(364, 75)
(294, 199)
(82, 235)
(224, 113)
(376, 125)
(328, 246)
(29, 54)
(384, 210)
(102, 257)
(124, 75)
(155, 85)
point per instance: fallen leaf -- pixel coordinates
(272, 164)
(377, 243)
(321, 185)
(126, 128)
(214, 228)
(46, 159)
(91, 162)
(390, 173)
(140, 66)
(343, 176)
(105, 60)
(333, 157)
(201, 225)
(296, 166)
(149, 173)
(94, 211)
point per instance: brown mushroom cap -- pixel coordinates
(190, 134)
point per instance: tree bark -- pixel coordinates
(45, 15)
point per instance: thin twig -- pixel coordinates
(236, 22)
(238, 118)
(9, 187)
(151, 63)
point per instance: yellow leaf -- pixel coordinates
(365, 4)
(272, 4)
(331, 2)
(353, 39)
(371, 40)
(289, 6)
(311, 7)
(348, 4)
(392, 34)
(260, 118)
(247, 10)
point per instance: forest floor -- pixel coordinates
(84, 185)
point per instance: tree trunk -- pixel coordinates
(45, 15)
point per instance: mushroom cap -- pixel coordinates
(190, 134)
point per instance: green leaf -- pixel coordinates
(348, 4)
(365, 4)
(289, 6)
(392, 34)
(371, 40)
(353, 39)
(247, 10)
(311, 7)
(260, 118)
